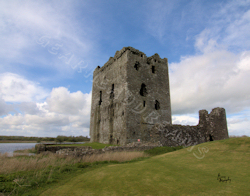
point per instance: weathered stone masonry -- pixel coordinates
(127, 91)
(131, 101)
(211, 127)
(87, 150)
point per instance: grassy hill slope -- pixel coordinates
(190, 171)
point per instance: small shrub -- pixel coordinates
(82, 165)
(3, 178)
(66, 169)
(97, 162)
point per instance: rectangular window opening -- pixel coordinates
(112, 92)
(153, 69)
(100, 101)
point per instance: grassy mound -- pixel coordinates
(190, 171)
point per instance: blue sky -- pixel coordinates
(48, 50)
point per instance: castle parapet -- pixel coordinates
(150, 60)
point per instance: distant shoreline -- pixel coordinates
(16, 141)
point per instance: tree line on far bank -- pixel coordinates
(59, 138)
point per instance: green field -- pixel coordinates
(182, 172)
(188, 171)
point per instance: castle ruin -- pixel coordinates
(131, 102)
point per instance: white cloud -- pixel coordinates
(62, 101)
(28, 108)
(206, 41)
(239, 124)
(62, 112)
(65, 114)
(218, 78)
(244, 61)
(5, 108)
(15, 88)
(184, 120)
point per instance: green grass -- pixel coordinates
(36, 182)
(174, 173)
(162, 150)
(94, 145)
(24, 183)
(31, 150)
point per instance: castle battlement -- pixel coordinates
(150, 60)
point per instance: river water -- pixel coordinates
(11, 147)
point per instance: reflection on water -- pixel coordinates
(11, 147)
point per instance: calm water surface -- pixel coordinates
(10, 147)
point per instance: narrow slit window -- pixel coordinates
(153, 69)
(112, 91)
(137, 65)
(157, 105)
(100, 101)
(144, 103)
(143, 90)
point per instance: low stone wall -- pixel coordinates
(51, 148)
(86, 150)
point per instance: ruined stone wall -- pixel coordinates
(87, 150)
(82, 152)
(211, 127)
(215, 123)
(53, 148)
(179, 135)
(131, 95)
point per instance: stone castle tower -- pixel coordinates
(130, 94)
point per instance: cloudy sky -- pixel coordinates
(48, 50)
